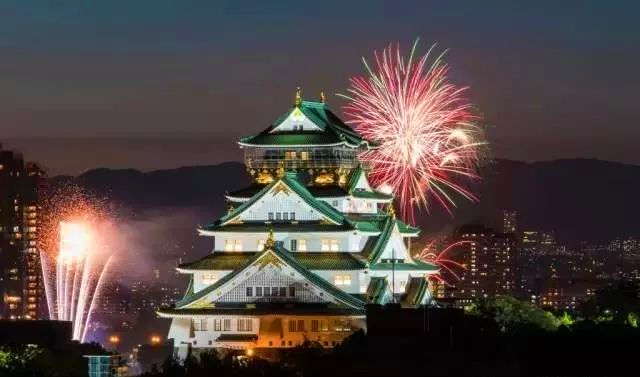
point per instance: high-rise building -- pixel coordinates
(20, 274)
(489, 258)
(300, 251)
(509, 221)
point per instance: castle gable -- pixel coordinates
(270, 276)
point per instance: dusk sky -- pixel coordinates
(153, 84)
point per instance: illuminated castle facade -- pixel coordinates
(300, 251)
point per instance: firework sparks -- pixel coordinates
(74, 261)
(442, 260)
(427, 135)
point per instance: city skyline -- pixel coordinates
(98, 81)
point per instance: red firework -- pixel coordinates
(424, 127)
(442, 260)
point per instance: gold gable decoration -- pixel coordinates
(267, 259)
(264, 178)
(281, 187)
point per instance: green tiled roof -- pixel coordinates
(332, 130)
(293, 227)
(374, 249)
(265, 309)
(328, 261)
(355, 177)
(289, 179)
(330, 191)
(219, 261)
(415, 292)
(310, 260)
(287, 257)
(376, 222)
(416, 266)
(378, 290)
(364, 194)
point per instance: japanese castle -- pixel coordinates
(302, 249)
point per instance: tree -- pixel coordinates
(510, 314)
(619, 303)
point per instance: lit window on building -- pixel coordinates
(199, 324)
(209, 279)
(342, 280)
(232, 245)
(329, 245)
(342, 325)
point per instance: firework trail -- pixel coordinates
(442, 260)
(73, 258)
(426, 132)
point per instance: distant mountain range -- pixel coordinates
(579, 199)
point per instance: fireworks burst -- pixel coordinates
(429, 254)
(427, 134)
(74, 258)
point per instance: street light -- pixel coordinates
(114, 339)
(155, 339)
(249, 352)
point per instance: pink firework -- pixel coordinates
(427, 136)
(442, 260)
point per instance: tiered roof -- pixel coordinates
(330, 131)
(288, 258)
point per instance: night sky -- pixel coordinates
(151, 84)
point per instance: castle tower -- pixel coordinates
(302, 249)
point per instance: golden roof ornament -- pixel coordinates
(391, 211)
(298, 96)
(322, 98)
(270, 242)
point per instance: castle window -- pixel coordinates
(217, 325)
(199, 324)
(329, 245)
(342, 280)
(294, 245)
(292, 291)
(285, 216)
(226, 325)
(292, 325)
(278, 216)
(267, 291)
(343, 325)
(304, 155)
(258, 291)
(232, 245)
(301, 325)
(208, 279)
(249, 291)
(283, 291)
(244, 325)
(274, 291)
(270, 216)
(334, 203)
(314, 325)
